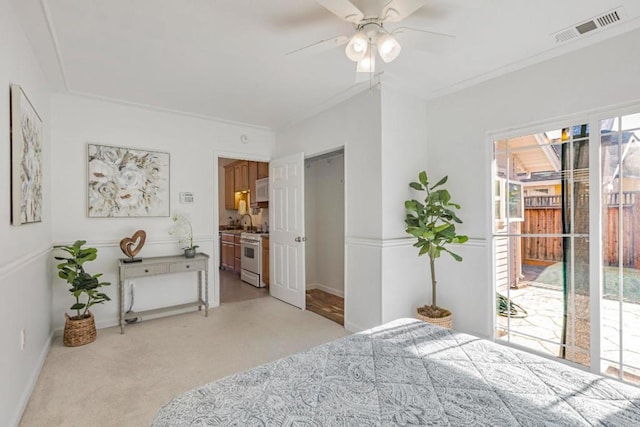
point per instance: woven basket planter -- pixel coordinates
(445, 322)
(79, 332)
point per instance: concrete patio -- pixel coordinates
(544, 326)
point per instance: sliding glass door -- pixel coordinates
(566, 238)
(620, 306)
(541, 242)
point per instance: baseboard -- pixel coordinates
(31, 385)
(351, 327)
(326, 289)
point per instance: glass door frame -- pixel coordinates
(595, 220)
(595, 123)
(593, 119)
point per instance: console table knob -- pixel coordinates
(146, 271)
(188, 265)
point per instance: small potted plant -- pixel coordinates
(432, 223)
(80, 329)
(183, 229)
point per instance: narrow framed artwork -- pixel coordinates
(127, 182)
(26, 159)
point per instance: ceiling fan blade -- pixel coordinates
(403, 30)
(295, 19)
(397, 10)
(320, 46)
(343, 9)
(423, 40)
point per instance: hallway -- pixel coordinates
(232, 289)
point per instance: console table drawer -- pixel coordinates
(145, 270)
(187, 266)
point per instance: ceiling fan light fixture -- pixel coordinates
(357, 47)
(367, 64)
(388, 47)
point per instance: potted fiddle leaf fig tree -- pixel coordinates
(432, 223)
(80, 328)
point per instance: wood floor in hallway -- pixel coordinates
(326, 305)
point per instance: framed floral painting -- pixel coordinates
(127, 182)
(26, 160)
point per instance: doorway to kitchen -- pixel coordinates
(324, 229)
(243, 227)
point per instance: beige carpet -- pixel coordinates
(122, 380)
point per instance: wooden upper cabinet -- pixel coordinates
(263, 170)
(253, 175)
(229, 187)
(241, 175)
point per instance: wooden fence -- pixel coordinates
(543, 215)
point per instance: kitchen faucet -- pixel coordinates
(250, 221)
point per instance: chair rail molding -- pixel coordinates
(24, 260)
(404, 241)
(152, 241)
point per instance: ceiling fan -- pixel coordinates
(370, 35)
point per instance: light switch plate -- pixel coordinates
(186, 197)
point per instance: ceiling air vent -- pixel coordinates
(609, 18)
(606, 19)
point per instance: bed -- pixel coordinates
(408, 372)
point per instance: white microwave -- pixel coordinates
(262, 190)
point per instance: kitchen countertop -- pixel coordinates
(231, 231)
(242, 231)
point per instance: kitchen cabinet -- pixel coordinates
(263, 170)
(237, 253)
(229, 187)
(255, 168)
(265, 261)
(241, 175)
(253, 175)
(228, 251)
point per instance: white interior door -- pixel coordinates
(286, 235)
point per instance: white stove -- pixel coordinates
(251, 261)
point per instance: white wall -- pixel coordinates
(194, 145)
(25, 301)
(324, 224)
(405, 283)
(384, 134)
(354, 124)
(459, 126)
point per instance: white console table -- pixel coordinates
(165, 265)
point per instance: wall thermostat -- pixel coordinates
(186, 197)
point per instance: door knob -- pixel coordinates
(301, 239)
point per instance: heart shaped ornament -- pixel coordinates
(130, 246)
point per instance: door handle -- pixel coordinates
(300, 239)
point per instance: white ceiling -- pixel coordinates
(226, 58)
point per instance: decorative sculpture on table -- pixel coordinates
(130, 246)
